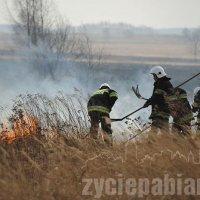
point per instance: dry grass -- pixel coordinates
(42, 167)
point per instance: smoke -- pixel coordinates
(36, 70)
(20, 78)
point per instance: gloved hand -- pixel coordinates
(147, 104)
(194, 109)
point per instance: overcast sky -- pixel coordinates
(155, 13)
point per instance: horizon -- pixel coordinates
(117, 23)
(157, 14)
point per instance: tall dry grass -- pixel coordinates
(52, 166)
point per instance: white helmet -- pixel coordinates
(158, 71)
(105, 85)
(196, 90)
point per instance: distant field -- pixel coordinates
(150, 46)
(147, 50)
(169, 50)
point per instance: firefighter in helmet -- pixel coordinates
(196, 105)
(99, 107)
(160, 109)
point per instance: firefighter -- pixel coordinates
(181, 111)
(160, 110)
(99, 107)
(196, 105)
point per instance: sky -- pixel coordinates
(154, 13)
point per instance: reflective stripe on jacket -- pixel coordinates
(98, 109)
(102, 100)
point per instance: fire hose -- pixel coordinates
(121, 119)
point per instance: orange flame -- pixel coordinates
(21, 127)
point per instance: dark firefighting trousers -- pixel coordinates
(198, 123)
(182, 125)
(97, 118)
(181, 128)
(160, 123)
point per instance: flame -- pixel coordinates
(21, 127)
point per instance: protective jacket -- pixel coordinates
(196, 104)
(160, 108)
(180, 107)
(102, 101)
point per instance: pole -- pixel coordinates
(187, 80)
(121, 119)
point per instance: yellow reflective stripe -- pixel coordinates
(182, 96)
(98, 109)
(113, 94)
(185, 119)
(102, 91)
(159, 91)
(196, 105)
(171, 98)
(176, 97)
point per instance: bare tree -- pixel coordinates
(62, 39)
(87, 53)
(33, 17)
(36, 19)
(43, 27)
(193, 36)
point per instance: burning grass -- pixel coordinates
(56, 154)
(32, 114)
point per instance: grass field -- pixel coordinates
(36, 167)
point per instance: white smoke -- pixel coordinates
(30, 73)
